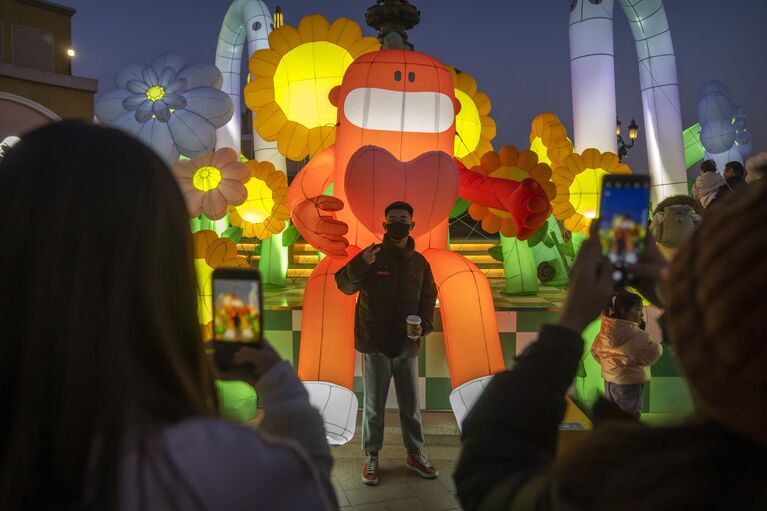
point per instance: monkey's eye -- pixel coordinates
(411, 76)
(397, 75)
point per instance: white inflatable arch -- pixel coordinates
(593, 85)
(251, 21)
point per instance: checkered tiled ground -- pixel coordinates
(519, 319)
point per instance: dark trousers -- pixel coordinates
(628, 396)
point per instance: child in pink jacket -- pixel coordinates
(625, 352)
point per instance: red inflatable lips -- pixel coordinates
(375, 178)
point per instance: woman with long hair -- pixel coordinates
(110, 402)
(714, 459)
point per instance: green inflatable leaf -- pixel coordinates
(459, 208)
(290, 235)
(581, 372)
(496, 253)
(567, 249)
(549, 242)
(233, 233)
(538, 235)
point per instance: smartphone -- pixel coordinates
(237, 313)
(624, 211)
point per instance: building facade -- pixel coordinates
(36, 82)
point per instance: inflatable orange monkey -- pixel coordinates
(394, 141)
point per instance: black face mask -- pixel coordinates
(397, 231)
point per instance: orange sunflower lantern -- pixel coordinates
(211, 252)
(292, 78)
(212, 183)
(548, 139)
(265, 210)
(474, 128)
(578, 179)
(509, 163)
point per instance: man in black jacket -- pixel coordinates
(394, 282)
(734, 179)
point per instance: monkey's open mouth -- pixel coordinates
(390, 110)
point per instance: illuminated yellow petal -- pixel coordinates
(490, 162)
(491, 224)
(508, 155)
(220, 251)
(268, 121)
(201, 240)
(488, 127)
(263, 63)
(363, 46)
(466, 83)
(508, 227)
(483, 103)
(259, 92)
(284, 39)
(527, 160)
(477, 212)
(609, 161)
(320, 138)
(313, 28)
(293, 140)
(344, 32)
(591, 158)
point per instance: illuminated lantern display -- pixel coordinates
(212, 183)
(509, 163)
(265, 210)
(519, 264)
(211, 252)
(549, 140)
(395, 141)
(291, 81)
(579, 182)
(474, 128)
(170, 105)
(723, 127)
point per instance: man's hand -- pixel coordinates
(591, 286)
(369, 254)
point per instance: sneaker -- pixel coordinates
(419, 463)
(370, 469)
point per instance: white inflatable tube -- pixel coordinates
(593, 86)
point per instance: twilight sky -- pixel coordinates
(517, 50)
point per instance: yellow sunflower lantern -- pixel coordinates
(265, 210)
(292, 78)
(509, 163)
(578, 179)
(211, 252)
(474, 128)
(548, 138)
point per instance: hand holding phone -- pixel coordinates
(624, 211)
(237, 315)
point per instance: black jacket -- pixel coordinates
(733, 184)
(399, 283)
(508, 461)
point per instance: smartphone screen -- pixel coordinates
(237, 306)
(623, 220)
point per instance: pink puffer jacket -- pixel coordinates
(624, 351)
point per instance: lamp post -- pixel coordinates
(70, 55)
(623, 147)
(392, 19)
(279, 19)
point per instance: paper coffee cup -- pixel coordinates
(413, 322)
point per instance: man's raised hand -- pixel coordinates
(369, 254)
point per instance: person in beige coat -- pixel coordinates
(625, 352)
(707, 184)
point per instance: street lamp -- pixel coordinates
(70, 55)
(623, 147)
(279, 19)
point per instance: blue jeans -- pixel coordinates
(377, 373)
(628, 396)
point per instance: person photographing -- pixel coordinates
(395, 308)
